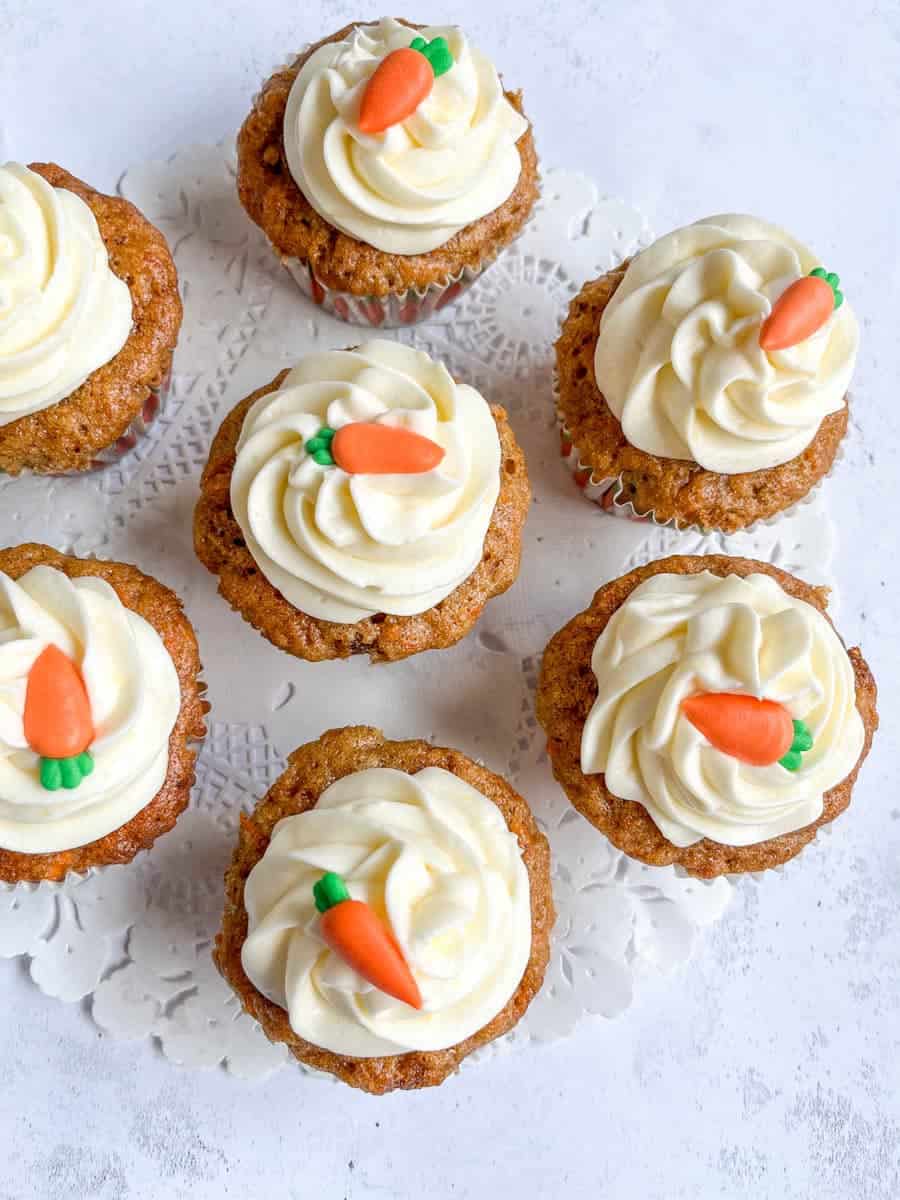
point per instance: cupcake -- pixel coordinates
(704, 382)
(704, 712)
(388, 909)
(100, 703)
(387, 167)
(89, 317)
(363, 503)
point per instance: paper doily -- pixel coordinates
(136, 939)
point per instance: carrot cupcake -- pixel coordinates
(89, 316)
(703, 711)
(388, 909)
(363, 503)
(704, 382)
(387, 167)
(101, 700)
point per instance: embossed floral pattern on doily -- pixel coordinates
(136, 940)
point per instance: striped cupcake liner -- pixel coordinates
(382, 312)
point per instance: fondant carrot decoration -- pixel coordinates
(57, 720)
(355, 932)
(801, 309)
(758, 732)
(363, 448)
(400, 83)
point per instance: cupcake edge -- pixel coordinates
(625, 481)
(220, 546)
(159, 606)
(626, 823)
(103, 418)
(311, 769)
(349, 278)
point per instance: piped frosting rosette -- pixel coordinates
(410, 188)
(109, 671)
(63, 312)
(434, 860)
(679, 360)
(342, 544)
(677, 637)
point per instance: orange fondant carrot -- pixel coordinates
(800, 310)
(57, 721)
(363, 941)
(759, 732)
(400, 83)
(363, 448)
(398, 86)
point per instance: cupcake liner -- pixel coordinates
(606, 492)
(383, 312)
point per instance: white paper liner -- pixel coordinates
(382, 312)
(605, 492)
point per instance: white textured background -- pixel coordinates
(770, 1067)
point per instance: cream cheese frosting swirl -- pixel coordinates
(434, 858)
(678, 635)
(134, 695)
(678, 358)
(341, 547)
(63, 313)
(410, 189)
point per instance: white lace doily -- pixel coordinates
(136, 939)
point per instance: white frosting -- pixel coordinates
(435, 859)
(343, 547)
(677, 635)
(63, 313)
(678, 356)
(134, 694)
(411, 188)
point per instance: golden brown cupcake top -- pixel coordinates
(435, 865)
(685, 354)
(273, 199)
(68, 434)
(401, 796)
(666, 488)
(631, 698)
(491, 508)
(65, 312)
(401, 141)
(725, 706)
(366, 483)
(102, 697)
